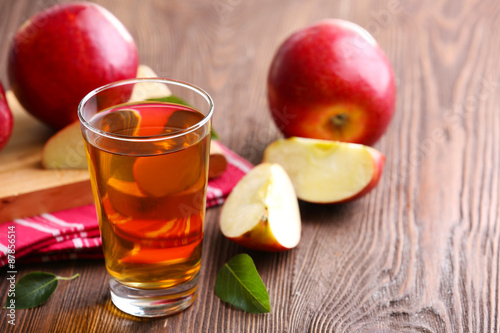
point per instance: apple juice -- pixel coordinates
(150, 193)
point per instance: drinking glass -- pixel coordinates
(148, 163)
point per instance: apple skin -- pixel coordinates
(6, 119)
(332, 81)
(260, 238)
(62, 53)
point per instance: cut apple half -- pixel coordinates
(262, 211)
(324, 171)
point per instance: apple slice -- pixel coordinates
(324, 171)
(65, 149)
(127, 199)
(218, 161)
(144, 91)
(262, 211)
(161, 175)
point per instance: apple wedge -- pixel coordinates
(148, 90)
(218, 162)
(127, 199)
(324, 171)
(262, 211)
(65, 149)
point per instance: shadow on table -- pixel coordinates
(312, 213)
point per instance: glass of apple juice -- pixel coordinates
(148, 163)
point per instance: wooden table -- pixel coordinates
(421, 253)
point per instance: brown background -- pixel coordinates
(418, 254)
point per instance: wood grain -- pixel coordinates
(418, 254)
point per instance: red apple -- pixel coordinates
(6, 119)
(332, 81)
(325, 171)
(62, 53)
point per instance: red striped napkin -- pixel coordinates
(74, 233)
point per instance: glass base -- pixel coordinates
(153, 302)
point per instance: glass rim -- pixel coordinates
(151, 138)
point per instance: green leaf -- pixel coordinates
(177, 100)
(34, 289)
(213, 134)
(239, 284)
(170, 99)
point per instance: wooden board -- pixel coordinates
(26, 188)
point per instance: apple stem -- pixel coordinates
(339, 119)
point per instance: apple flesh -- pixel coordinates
(65, 149)
(262, 211)
(332, 81)
(62, 53)
(324, 171)
(6, 119)
(148, 90)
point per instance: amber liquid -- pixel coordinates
(150, 196)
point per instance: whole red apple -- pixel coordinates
(62, 53)
(332, 81)
(6, 119)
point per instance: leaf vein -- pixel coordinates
(245, 287)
